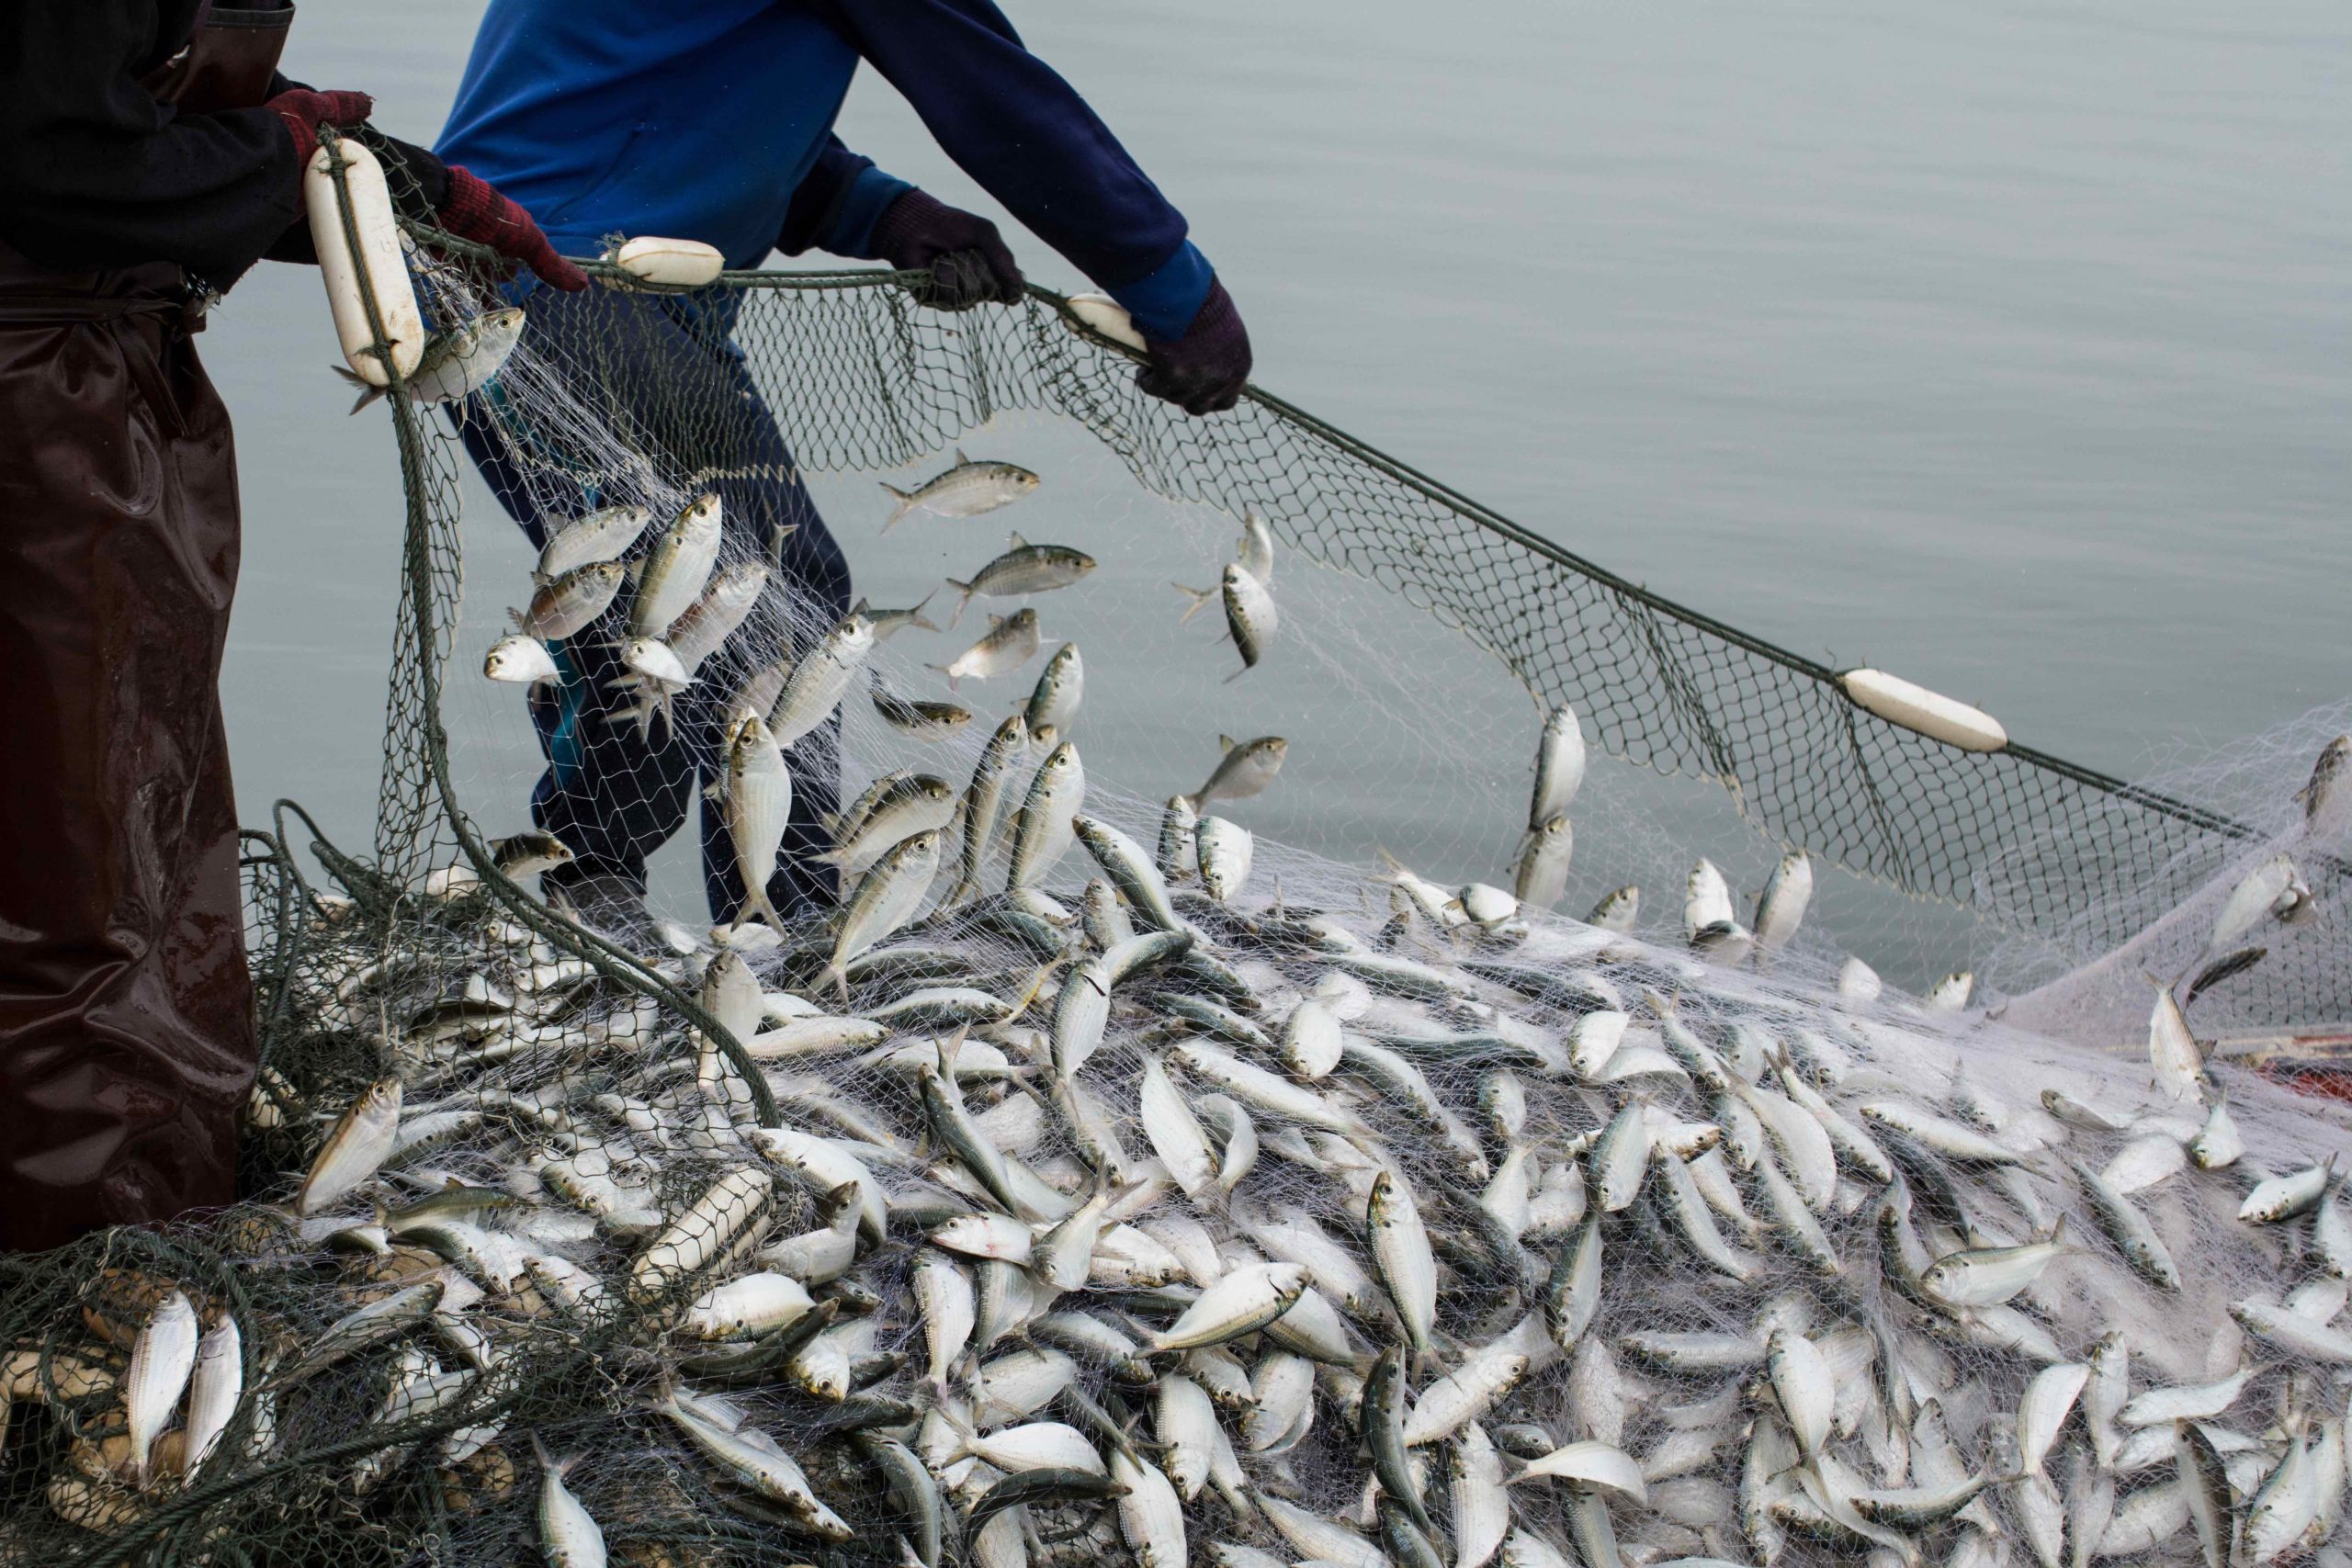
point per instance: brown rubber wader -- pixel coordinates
(126, 1031)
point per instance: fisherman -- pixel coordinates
(149, 156)
(712, 120)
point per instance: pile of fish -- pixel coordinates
(1071, 1197)
(1188, 1228)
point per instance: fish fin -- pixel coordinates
(963, 589)
(515, 615)
(960, 459)
(1192, 802)
(1229, 680)
(894, 490)
(636, 573)
(831, 821)
(914, 617)
(1201, 598)
(1018, 542)
(859, 608)
(1225, 743)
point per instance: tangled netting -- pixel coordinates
(1132, 1184)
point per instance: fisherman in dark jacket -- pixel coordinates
(712, 120)
(150, 153)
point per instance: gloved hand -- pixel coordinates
(963, 251)
(475, 212)
(1203, 371)
(304, 111)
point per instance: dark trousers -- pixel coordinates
(127, 1032)
(661, 374)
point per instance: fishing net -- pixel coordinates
(1286, 1206)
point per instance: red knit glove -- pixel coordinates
(476, 211)
(304, 111)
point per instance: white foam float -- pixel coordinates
(1931, 714)
(379, 259)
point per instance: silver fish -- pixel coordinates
(1245, 770)
(984, 802)
(560, 608)
(605, 534)
(1251, 618)
(1780, 908)
(890, 623)
(214, 1391)
(1618, 911)
(885, 898)
(1011, 642)
(1559, 766)
(1541, 877)
(520, 659)
(2323, 796)
(818, 682)
(1052, 705)
(568, 1535)
(360, 1141)
(914, 718)
(1023, 569)
(1044, 827)
(1225, 849)
(454, 362)
(966, 490)
(1254, 552)
(756, 792)
(906, 806)
(675, 571)
(734, 591)
(161, 1360)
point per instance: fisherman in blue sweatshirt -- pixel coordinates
(712, 120)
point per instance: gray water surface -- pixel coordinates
(2002, 346)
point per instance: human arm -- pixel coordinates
(96, 171)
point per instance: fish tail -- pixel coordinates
(1199, 596)
(368, 391)
(915, 615)
(906, 504)
(963, 588)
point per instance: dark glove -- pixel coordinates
(476, 211)
(1204, 371)
(962, 251)
(304, 111)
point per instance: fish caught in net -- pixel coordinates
(1134, 1167)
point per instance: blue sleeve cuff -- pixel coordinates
(868, 196)
(1164, 300)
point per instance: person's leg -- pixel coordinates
(663, 378)
(126, 1031)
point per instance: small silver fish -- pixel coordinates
(756, 792)
(1559, 766)
(1225, 850)
(360, 1141)
(1251, 618)
(605, 534)
(520, 659)
(2323, 794)
(563, 606)
(1054, 704)
(1780, 908)
(816, 683)
(984, 802)
(1540, 879)
(528, 854)
(914, 718)
(675, 571)
(966, 490)
(1618, 911)
(454, 362)
(1023, 569)
(1011, 642)
(1245, 770)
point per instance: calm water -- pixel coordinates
(2004, 346)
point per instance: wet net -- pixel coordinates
(1111, 1179)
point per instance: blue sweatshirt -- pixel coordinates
(712, 120)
